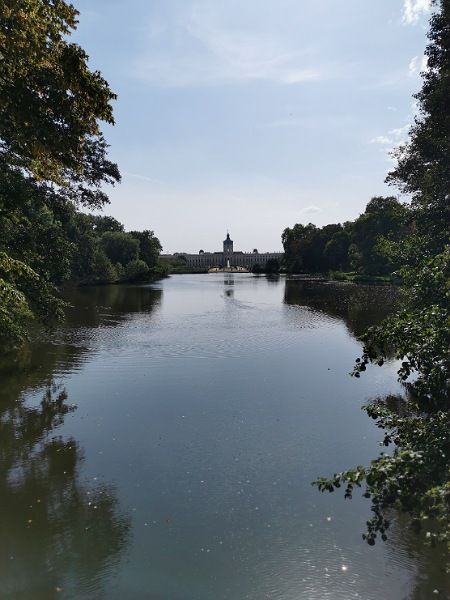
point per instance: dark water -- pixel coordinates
(162, 443)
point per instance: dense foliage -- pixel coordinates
(53, 159)
(414, 476)
(50, 102)
(271, 267)
(355, 246)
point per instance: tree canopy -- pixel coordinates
(353, 246)
(422, 168)
(50, 101)
(52, 155)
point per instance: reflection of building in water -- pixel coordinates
(220, 259)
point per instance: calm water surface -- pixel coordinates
(161, 445)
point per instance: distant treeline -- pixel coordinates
(106, 253)
(356, 246)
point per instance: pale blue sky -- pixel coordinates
(252, 115)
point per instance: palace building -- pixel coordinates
(227, 257)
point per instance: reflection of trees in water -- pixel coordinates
(96, 306)
(57, 532)
(431, 579)
(33, 366)
(272, 278)
(359, 306)
(92, 307)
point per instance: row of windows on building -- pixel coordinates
(228, 256)
(236, 259)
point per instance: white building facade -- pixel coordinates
(228, 257)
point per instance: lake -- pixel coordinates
(161, 443)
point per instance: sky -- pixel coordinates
(250, 116)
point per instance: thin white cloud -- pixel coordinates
(394, 138)
(144, 177)
(412, 68)
(416, 67)
(290, 76)
(199, 47)
(400, 133)
(414, 9)
(310, 210)
(381, 139)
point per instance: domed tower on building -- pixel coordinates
(228, 246)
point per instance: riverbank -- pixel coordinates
(349, 277)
